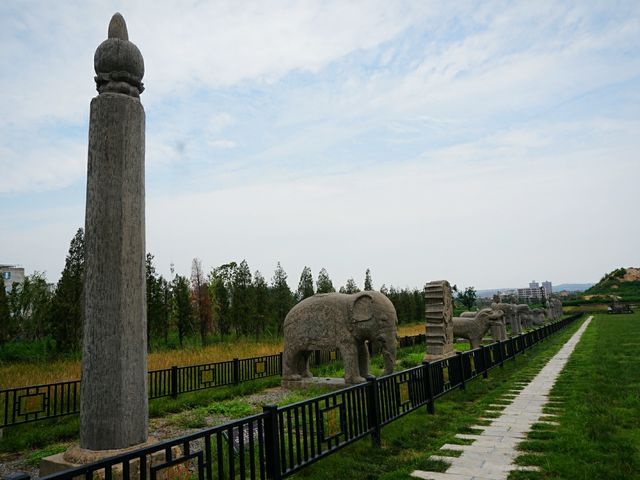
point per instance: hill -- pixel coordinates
(571, 287)
(622, 284)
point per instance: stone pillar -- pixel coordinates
(439, 323)
(113, 400)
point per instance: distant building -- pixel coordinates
(11, 274)
(535, 293)
(548, 288)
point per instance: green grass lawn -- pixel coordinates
(408, 442)
(599, 399)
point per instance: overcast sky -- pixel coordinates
(487, 143)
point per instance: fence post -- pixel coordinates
(501, 350)
(271, 443)
(485, 370)
(174, 381)
(372, 410)
(318, 359)
(513, 350)
(461, 363)
(428, 376)
(281, 364)
(236, 371)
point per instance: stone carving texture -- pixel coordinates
(346, 321)
(524, 315)
(510, 316)
(498, 329)
(537, 317)
(474, 328)
(113, 400)
(438, 319)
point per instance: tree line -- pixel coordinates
(226, 301)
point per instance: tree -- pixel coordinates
(384, 290)
(182, 307)
(155, 300)
(5, 318)
(305, 286)
(261, 293)
(351, 286)
(324, 283)
(367, 280)
(67, 310)
(29, 304)
(467, 297)
(281, 297)
(220, 289)
(242, 301)
(201, 299)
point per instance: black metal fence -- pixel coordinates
(39, 402)
(282, 440)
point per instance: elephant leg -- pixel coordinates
(349, 352)
(305, 371)
(295, 364)
(363, 360)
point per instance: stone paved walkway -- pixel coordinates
(491, 455)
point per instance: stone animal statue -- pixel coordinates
(510, 316)
(556, 306)
(537, 317)
(474, 328)
(346, 321)
(498, 330)
(524, 315)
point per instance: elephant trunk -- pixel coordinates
(388, 354)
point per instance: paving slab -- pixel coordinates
(491, 455)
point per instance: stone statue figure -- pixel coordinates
(498, 329)
(474, 328)
(510, 316)
(346, 321)
(524, 315)
(537, 317)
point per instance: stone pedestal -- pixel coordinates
(331, 383)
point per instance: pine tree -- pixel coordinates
(220, 288)
(155, 300)
(351, 286)
(242, 302)
(67, 310)
(281, 297)
(261, 295)
(324, 283)
(305, 286)
(367, 281)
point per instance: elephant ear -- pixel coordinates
(362, 310)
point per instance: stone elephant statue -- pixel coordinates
(510, 316)
(474, 328)
(523, 311)
(498, 329)
(344, 321)
(537, 316)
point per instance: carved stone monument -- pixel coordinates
(474, 327)
(438, 319)
(113, 397)
(336, 320)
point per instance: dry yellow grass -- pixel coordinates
(22, 374)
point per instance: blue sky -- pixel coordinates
(487, 143)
